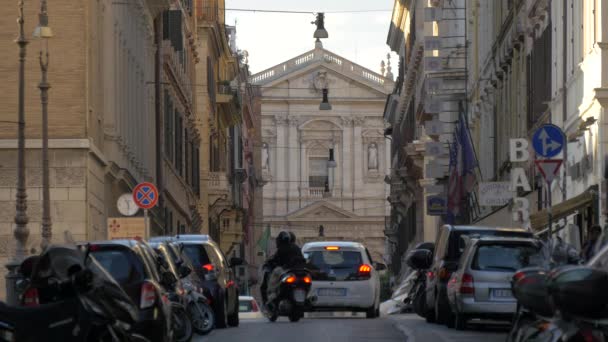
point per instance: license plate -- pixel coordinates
(502, 293)
(299, 295)
(332, 292)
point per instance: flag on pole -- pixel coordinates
(469, 160)
(263, 240)
(454, 183)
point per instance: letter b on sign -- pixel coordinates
(518, 150)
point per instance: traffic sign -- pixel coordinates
(548, 168)
(145, 195)
(548, 141)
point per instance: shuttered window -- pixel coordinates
(172, 29)
(168, 123)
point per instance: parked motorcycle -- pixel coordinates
(419, 259)
(177, 295)
(560, 302)
(199, 309)
(287, 293)
(69, 297)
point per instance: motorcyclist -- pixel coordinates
(288, 255)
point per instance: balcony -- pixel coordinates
(218, 184)
(316, 192)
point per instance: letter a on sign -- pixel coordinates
(548, 168)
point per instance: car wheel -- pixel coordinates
(450, 320)
(372, 312)
(233, 318)
(220, 313)
(440, 316)
(460, 321)
(430, 316)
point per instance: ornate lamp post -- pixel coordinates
(44, 32)
(21, 231)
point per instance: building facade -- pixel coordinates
(108, 117)
(423, 110)
(304, 193)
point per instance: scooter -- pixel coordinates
(287, 294)
(199, 309)
(68, 297)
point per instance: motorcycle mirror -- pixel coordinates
(184, 271)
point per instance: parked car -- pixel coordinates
(132, 264)
(344, 277)
(448, 249)
(215, 273)
(248, 308)
(481, 287)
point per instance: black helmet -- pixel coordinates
(292, 237)
(283, 238)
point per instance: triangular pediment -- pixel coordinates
(300, 73)
(321, 210)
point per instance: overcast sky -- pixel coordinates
(272, 38)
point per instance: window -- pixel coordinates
(169, 135)
(539, 77)
(334, 265)
(178, 143)
(506, 258)
(318, 174)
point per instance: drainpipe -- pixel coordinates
(158, 113)
(564, 95)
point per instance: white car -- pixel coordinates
(248, 308)
(344, 277)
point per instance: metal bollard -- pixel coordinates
(12, 277)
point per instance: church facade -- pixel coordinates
(304, 192)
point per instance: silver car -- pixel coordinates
(481, 287)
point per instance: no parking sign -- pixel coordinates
(145, 195)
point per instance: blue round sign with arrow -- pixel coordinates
(548, 141)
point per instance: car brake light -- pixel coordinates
(466, 284)
(518, 276)
(444, 273)
(254, 306)
(208, 267)
(307, 280)
(290, 280)
(332, 248)
(94, 248)
(365, 270)
(148, 295)
(30, 297)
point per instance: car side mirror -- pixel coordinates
(235, 262)
(379, 266)
(419, 259)
(184, 271)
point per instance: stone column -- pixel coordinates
(357, 154)
(293, 172)
(347, 160)
(281, 165)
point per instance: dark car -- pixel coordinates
(132, 264)
(215, 273)
(448, 248)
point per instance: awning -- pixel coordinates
(540, 219)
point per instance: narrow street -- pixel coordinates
(408, 328)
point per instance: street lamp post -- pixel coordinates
(43, 31)
(21, 232)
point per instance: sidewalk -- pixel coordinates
(416, 329)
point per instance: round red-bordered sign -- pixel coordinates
(145, 195)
